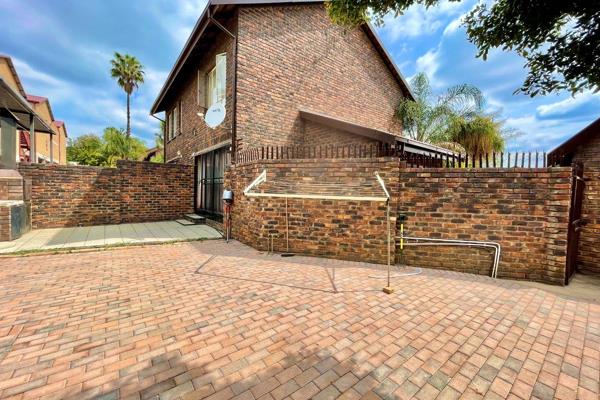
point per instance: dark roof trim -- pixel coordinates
(203, 22)
(387, 58)
(14, 71)
(410, 145)
(191, 42)
(578, 139)
(39, 100)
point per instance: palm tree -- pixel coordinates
(427, 118)
(478, 136)
(129, 73)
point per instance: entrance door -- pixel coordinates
(575, 220)
(210, 169)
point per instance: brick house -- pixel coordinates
(48, 148)
(584, 148)
(286, 76)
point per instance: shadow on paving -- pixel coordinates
(312, 372)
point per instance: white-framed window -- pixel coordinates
(174, 122)
(216, 81)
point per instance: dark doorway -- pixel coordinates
(210, 169)
(575, 220)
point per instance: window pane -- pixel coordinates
(221, 77)
(211, 88)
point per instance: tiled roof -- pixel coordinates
(35, 99)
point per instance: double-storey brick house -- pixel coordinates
(287, 76)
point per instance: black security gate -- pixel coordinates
(210, 168)
(575, 220)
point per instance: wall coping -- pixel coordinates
(6, 174)
(484, 170)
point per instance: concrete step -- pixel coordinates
(185, 222)
(195, 219)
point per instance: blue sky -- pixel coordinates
(62, 50)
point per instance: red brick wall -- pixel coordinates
(133, 192)
(589, 243)
(293, 57)
(11, 185)
(524, 210)
(5, 233)
(354, 230)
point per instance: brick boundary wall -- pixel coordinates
(64, 196)
(526, 211)
(351, 230)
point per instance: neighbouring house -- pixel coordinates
(285, 76)
(151, 153)
(584, 148)
(49, 148)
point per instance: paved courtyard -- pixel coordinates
(107, 235)
(213, 320)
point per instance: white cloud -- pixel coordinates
(429, 63)
(178, 18)
(567, 105)
(27, 73)
(418, 20)
(453, 26)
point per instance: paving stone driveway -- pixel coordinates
(141, 323)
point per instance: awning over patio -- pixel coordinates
(409, 145)
(13, 104)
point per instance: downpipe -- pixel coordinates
(459, 243)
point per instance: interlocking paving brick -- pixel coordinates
(141, 323)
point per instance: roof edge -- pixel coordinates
(570, 144)
(11, 66)
(196, 34)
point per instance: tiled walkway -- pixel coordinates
(220, 321)
(107, 235)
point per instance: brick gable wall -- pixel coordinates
(589, 243)
(292, 57)
(289, 57)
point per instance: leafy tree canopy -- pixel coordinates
(159, 139)
(454, 120)
(86, 150)
(560, 40)
(478, 135)
(427, 117)
(106, 150)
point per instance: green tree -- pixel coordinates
(159, 139)
(129, 73)
(560, 40)
(428, 117)
(86, 150)
(118, 146)
(479, 135)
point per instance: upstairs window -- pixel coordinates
(174, 122)
(216, 82)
